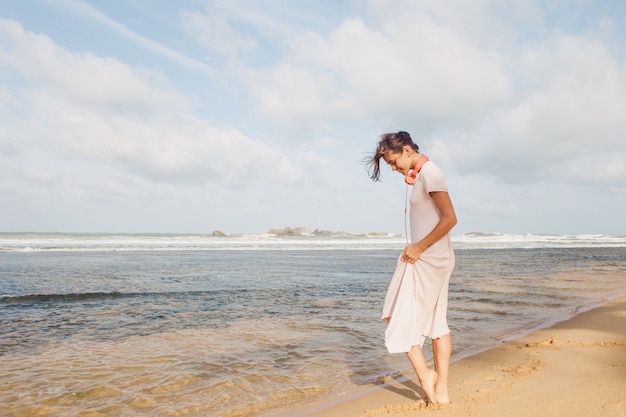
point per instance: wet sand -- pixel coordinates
(576, 368)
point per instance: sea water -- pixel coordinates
(195, 325)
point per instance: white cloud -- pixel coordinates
(215, 32)
(111, 113)
(422, 72)
(87, 11)
(292, 95)
(83, 78)
(570, 114)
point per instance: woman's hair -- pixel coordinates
(389, 142)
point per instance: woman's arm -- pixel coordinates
(446, 223)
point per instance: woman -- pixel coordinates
(417, 298)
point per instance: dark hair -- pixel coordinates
(389, 142)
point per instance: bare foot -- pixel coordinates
(442, 396)
(428, 385)
(441, 393)
(443, 400)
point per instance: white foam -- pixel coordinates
(148, 242)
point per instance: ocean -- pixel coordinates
(253, 325)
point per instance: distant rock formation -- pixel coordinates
(218, 233)
(306, 231)
(288, 231)
(318, 232)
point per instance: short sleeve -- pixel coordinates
(432, 178)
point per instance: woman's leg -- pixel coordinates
(426, 376)
(442, 350)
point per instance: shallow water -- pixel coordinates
(179, 330)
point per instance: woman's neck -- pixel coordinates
(415, 157)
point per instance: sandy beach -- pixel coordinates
(576, 368)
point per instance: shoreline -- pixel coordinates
(574, 367)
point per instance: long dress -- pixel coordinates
(417, 298)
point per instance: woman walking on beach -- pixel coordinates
(417, 299)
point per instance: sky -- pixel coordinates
(190, 116)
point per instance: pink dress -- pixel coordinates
(417, 297)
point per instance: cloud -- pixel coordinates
(291, 95)
(86, 10)
(215, 32)
(421, 72)
(83, 78)
(105, 111)
(490, 101)
(568, 119)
